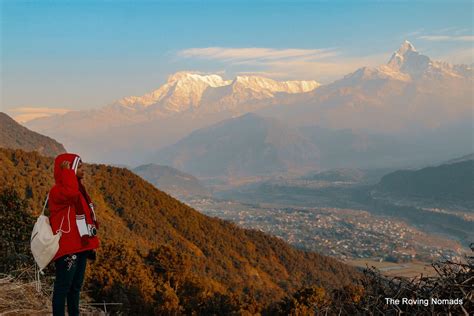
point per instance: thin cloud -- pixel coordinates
(444, 38)
(453, 44)
(323, 65)
(459, 56)
(25, 114)
(262, 74)
(460, 31)
(255, 53)
(411, 34)
(324, 71)
(447, 29)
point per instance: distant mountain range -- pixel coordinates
(172, 181)
(348, 148)
(210, 93)
(351, 148)
(252, 145)
(410, 97)
(248, 145)
(409, 92)
(15, 136)
(188, 101)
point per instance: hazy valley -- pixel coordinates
(310, 163)
(343, 213)
(243, 158)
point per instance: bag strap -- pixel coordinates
(38, 273)
(45, 203)
(61, 225)
(69, 223)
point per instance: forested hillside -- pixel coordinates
(451, 181)
(160, 256)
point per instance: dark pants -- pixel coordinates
(70, 271)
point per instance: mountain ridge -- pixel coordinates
(15, 136)
(449, 181)
(184, 90)
(172, 181)
(247, 145)
(407, 94)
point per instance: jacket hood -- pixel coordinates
(73, 160)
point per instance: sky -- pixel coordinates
(62, 55)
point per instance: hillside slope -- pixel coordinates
(15, 136)
(172, 181)
(247, 145)
(157, 249)
(451, 181)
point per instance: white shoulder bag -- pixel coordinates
(45, 244)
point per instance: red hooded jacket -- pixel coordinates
(65, 202)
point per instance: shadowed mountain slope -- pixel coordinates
(451, 181)
(244, 146)
(15, 136)
(172, 181)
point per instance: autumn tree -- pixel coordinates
(16, 225)
(169, 264)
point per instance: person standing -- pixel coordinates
(71, 213)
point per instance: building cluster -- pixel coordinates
(341, 233)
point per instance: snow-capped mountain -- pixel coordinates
(408, 61)
(187, 101)
(407, 64)
(410, 92)
(182, 91)
(186, 91)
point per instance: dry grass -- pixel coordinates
(18, 295)
(21, 298)
(454, 280)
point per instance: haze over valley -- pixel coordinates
(311, 163)
(242, 157)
